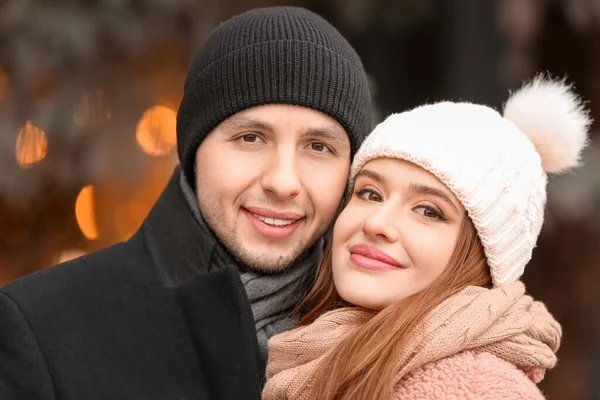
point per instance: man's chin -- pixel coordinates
(267, 261)
(268, 265)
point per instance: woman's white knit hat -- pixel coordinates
(495, 164)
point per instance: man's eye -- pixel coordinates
(318, 146)
(250, 138)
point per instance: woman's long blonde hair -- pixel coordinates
(363, 366)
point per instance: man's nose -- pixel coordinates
(281, 179)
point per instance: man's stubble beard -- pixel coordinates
(214, 216)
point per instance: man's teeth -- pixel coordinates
(274, 221)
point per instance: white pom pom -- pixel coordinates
(554, 119)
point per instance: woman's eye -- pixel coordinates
(430, 212)
(370, 195)
(317, 146)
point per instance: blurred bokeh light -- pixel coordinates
(156, 132)
(84, 212)
(31, 146)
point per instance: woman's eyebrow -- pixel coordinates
(367, 173)
(424, 189)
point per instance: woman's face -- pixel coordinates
(396, 235)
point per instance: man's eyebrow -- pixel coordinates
(367, 173)
(242, 122)
(331, 134)
(424, 189)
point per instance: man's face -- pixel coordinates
(269, 180)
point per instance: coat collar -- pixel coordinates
(181, 247)
(189, 259)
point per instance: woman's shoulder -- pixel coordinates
(468, 375)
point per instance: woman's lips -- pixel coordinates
(369, 257)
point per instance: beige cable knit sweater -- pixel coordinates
(479, 344)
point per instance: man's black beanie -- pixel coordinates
(284, 55)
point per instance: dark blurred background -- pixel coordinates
(89, 92)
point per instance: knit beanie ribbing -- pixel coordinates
(496, 165)
(277, 55)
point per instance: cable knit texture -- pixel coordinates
(502, 334)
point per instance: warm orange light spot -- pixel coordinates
(156, 131)
(32, 145)
(92, 111)
(84, 212)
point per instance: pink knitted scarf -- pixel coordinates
(502, 321)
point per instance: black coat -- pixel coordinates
(109, 325)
